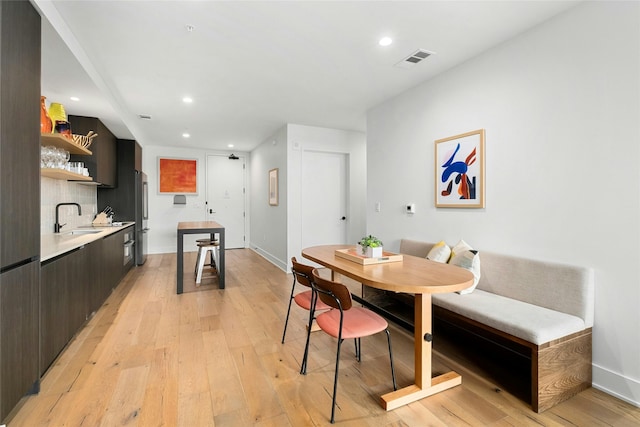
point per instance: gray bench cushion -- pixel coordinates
(532, 323)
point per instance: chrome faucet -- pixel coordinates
(57, 226)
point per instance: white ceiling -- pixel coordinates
(251, 67)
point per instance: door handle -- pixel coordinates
(211, 211)
(344, 218)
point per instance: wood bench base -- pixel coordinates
(559, 369)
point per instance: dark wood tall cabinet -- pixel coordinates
(19, 201)
(123, 198)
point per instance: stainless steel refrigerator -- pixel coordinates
(141, 217)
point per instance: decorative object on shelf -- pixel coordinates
(57, 112)
(46, 125)
(273, 187)
(370, 246)
(84, 141)
(63, 128)
(459, 171)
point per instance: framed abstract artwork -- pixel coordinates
(177, 176)
(273, 187)
(459, 171)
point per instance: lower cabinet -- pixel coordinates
(18, 335)
(73, 286)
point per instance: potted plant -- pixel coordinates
(371, 246)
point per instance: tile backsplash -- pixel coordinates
(54, 191)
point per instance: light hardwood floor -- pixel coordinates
(213, 357)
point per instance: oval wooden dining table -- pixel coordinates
(412, 275)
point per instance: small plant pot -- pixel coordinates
(370, 252)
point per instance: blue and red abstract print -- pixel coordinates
(456, 172)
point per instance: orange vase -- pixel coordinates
(45, 121)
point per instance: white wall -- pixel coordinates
(269, 223)
(309, 138)
(163, 214)
(560, 105)
(277, 230)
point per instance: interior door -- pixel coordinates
(324, 198)
(226, 197)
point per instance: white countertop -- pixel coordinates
(52, 245)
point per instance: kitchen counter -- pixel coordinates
(53, 245)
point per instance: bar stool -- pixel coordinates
(199, 243)
(206, 246)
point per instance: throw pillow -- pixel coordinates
(460, 247)
(469, 260)
(440, 252)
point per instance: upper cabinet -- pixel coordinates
(102, 162)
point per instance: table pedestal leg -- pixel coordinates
(424, 385)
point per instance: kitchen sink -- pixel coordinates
(84, 231)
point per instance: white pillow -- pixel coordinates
(440, 252)
(469, 260)
(460, 247)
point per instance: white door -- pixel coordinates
(324, 198)
(226, 197)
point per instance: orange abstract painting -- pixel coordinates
(178, 175)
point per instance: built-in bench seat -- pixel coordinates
(547, 308)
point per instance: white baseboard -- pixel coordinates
(282, 265)
(615, 384)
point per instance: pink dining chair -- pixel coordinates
(302, 276)
(344, 322)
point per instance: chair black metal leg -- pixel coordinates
(393, 371)
(358, 349)
(286, 321)
(303, 367)
(335, 382)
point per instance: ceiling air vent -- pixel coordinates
(415, 58)
(144, 116)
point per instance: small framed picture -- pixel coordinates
(459, 171)
(273, 187)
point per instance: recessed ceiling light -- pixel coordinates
(74, 98)
(230, 145)
(385, 41)
(187, 100)
(186, 135)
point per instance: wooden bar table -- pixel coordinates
(199, 227)
(413, 275)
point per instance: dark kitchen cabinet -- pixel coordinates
(19, 132)
(18, 334)
(102, 162)
(64, 302)
(123, 198)
(20, 206)
(73, 287)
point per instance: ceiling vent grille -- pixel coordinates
(144, 116)
(414, 59)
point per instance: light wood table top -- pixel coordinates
(198, 225)
(411, 275)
